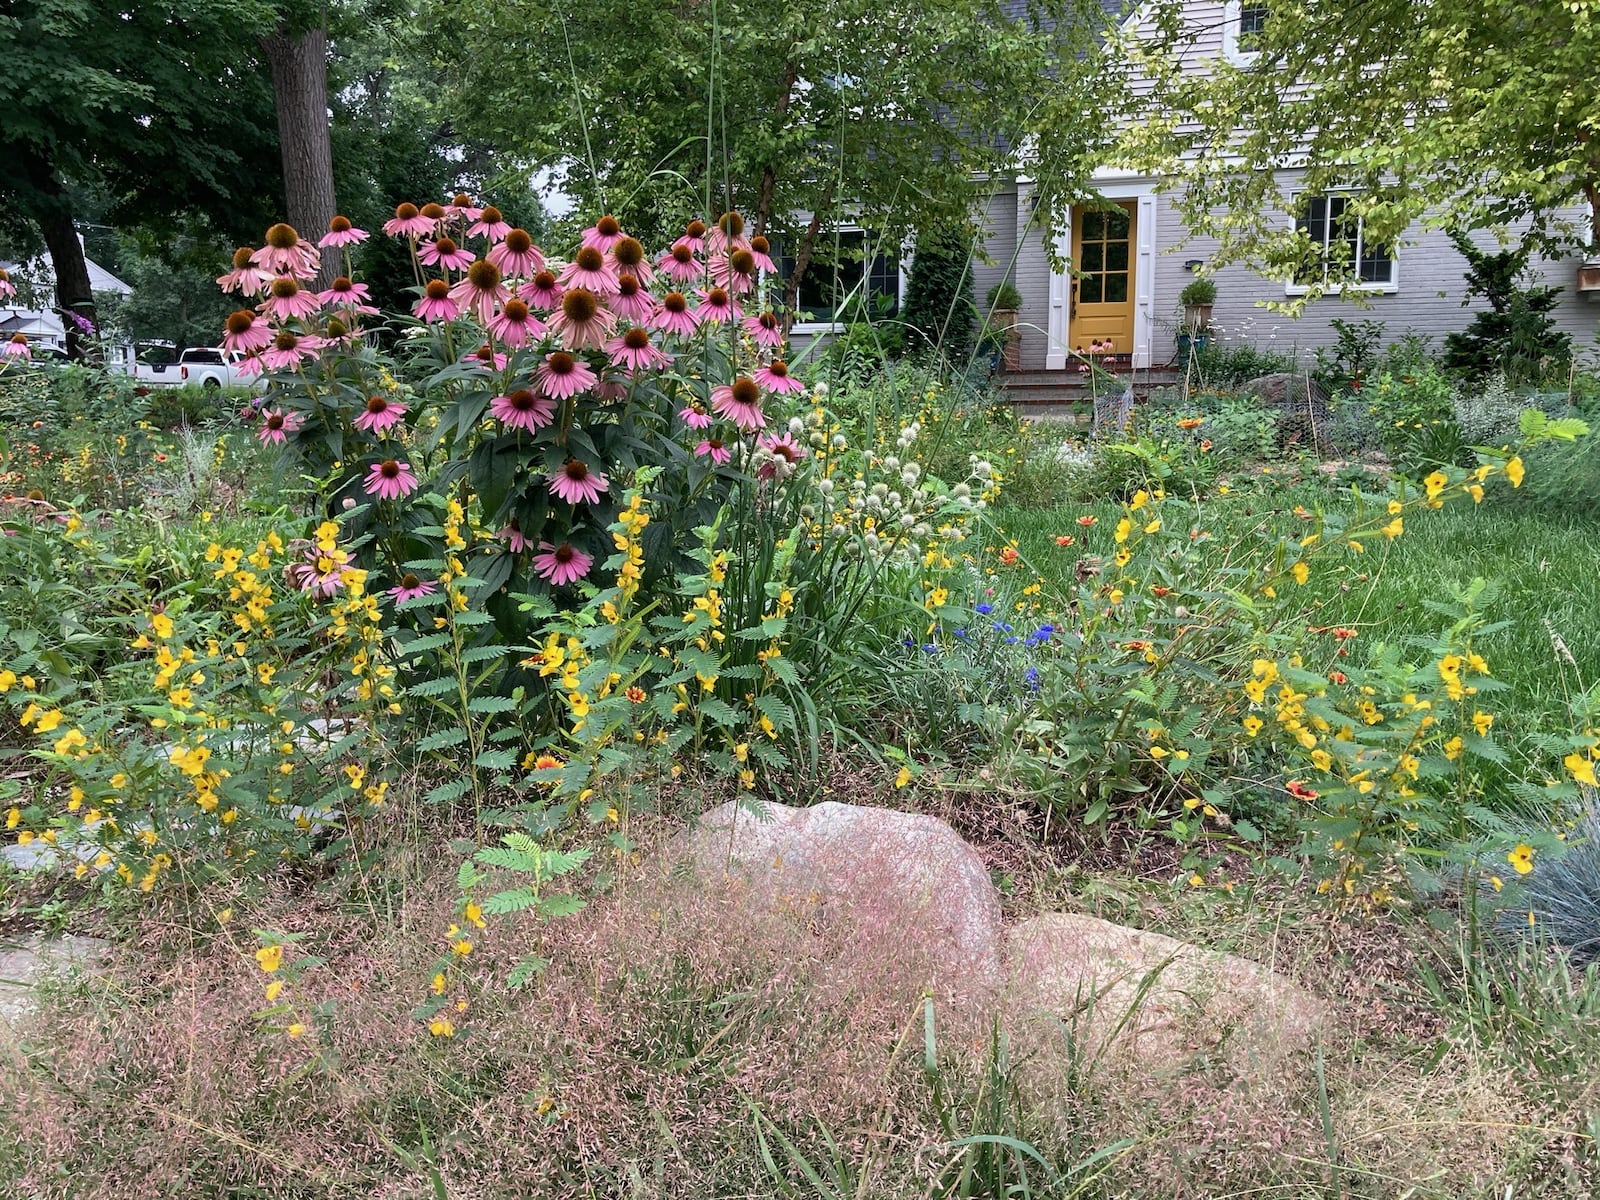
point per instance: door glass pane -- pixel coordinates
(1117, 224)
(1116, 289)
(1093, 225)
(1090, 290)
(1116, 256)
(1093, 256)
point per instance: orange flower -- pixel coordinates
(1087, 521)
(1339, 677)
(1160, 592)
(1298, 788)
(635, 695)
(1205, 446)
(1064, 540)
(1344, 635)
(1191, 422)
(1008, 555)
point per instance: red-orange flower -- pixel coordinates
(1008, 555)
(1087, 521)
(1298, 788)
(1064, 540)
(1344, 634)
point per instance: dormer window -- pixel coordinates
(1252, 20)
(1243, 22)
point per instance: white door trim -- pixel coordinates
(1060, 315)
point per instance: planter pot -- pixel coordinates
(1189, 344)
(1589, 277)
(1004, 323)
(1196, 317)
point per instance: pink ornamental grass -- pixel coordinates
(523, 409)
(776, 379)
(342, 233)
(577, 484)
(277, 425)
(380, 415)
(740, 402)
(561, 564)
(390, 480)
(563, 375)
(245, 332)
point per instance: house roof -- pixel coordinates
(100, 279)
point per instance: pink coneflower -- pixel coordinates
(17, 347)
(765, 330)
(694, 237)
(735, 271)
(589, 269)
(542, 291)
(776, 379)
(342, 233)
(782, 454)
(717, 307)
(461, 208)
(318, 571)
(411, 587)
(513, 537)
(635, 351)
(761, 251)
(380, 415)
(515, 326)
(277, 425)
(714, 449)
(728, 234)
(246, 278)
(487, 357)
(390, 480)
(577, 484)
(336, 332)
(408, 221)
(347, 296)
(562, 375)
(562, 564)
(582, 321)
(694, 415)
(673, 316)
(246, 332)
(629, 258)
(632, 302)
(523, 409)
(286, 254)
(481, 292)
(603, 234)
(740, 402)
(680, 265)
(490, 224)
(288, 349)
(517, 255)
(7, 288)
(436, 304)
(285, 300)
(443, 252)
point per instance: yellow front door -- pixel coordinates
(1102, 289)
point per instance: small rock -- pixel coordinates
(1152, 1000)
(906, 874)
(26, 960)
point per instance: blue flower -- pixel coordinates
(1011, 641)
(931, 648)
(983, 610)
(1031, 676)
(1001, 627)
(960, 633)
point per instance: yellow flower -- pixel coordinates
(1322, 760)
(1435, 483)
(1452, 749)
(474, 915)
(1477, 493)
(1582, 769)
(1301, 573)
(1252, 725)
(8, 680)
(437, 986)
(295, 1030)
(1394, 507)
(1154, 526)
(274, 989)
(461, 948)
(1124, 528)
(269, 958)
(1481, 721)
(1515, 472)
(47, 722)
(162, 624)
(1521, 858)
(1496, 882)
(903, 778)
(1394, 528)
(441, 1027)
(69, 741)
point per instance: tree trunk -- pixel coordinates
(802, 261)
(52, 213)
(300, 87)
(769, 173)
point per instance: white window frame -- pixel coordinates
(1232, 20)
(1389, 288)
(903, 263)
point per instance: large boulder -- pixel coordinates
(900, 879)
(1304, 418)
(1152, 1001)
(27, 960)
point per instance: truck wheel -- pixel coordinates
(211, 384)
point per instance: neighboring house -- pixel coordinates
(1133, 262)
(43, 325)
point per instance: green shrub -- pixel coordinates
(1224, 365)
(939, 312)
(1516, 336)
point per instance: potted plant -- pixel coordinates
(1001, 333)
(1197, 297)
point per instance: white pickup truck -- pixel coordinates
(203, 367)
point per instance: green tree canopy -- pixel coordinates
(1470, 114)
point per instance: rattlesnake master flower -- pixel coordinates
(542, 291)
(436, 304)
(443, 252)
(342, 233)
(517, 255)
(563, 375)
(740, 402)
(776, 379)
(582, 322)
(390, 480)
(576, 483)
(515, 325)
(246, 332)
(276, 425)
(523, 409)
(561, 564)
(673, 316)
(408, 222)
(380, 415)
(490, 224)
